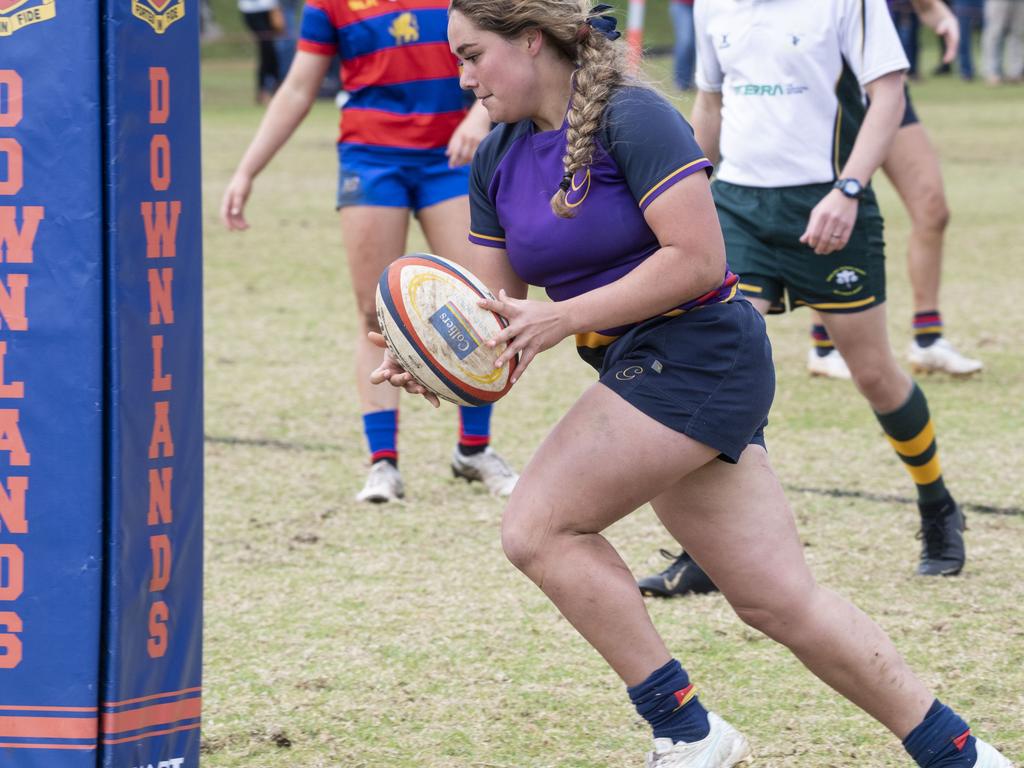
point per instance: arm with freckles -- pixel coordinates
(689, 263)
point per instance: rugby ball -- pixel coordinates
(428, 314)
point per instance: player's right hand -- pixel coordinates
(391, 371)
(232, 206)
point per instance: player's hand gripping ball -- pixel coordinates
(428, 314)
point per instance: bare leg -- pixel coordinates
(551, 528)
(863, 341)
(913, 168)
(374, 237)
(753, 553)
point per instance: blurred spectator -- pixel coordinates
(209, 29)
(684, 51)
(266, 22)
(291, 10)
(1002, 41)
(907, 25)
(969, 15)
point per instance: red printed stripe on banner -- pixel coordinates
(167, 695)
(157, 714)
(416, 131)
(403, 64)
(151, 734)
(48, 727)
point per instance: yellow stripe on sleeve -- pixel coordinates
(486, 237)
(676, 172)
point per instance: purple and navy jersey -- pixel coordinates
(644, 147)
(402, 79)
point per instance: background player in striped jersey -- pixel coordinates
(781, 103)
(406, 138)
(912, 166)
(594, 188)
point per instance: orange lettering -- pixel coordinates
(160, 303)
(12, 149)
(161, 435)
(10, 645)
(10, 438)
(156, 646)
(159, 162)
(161, 228)
(12, 505)
(16, 389)
(11, 82)
(12, 301)
(159, 95)
(18, 243)
(161, 381)
(11, 587)
(159, 496)
(160, 548)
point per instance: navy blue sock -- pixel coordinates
(942, 740)
(669, 703)
(381, 429)
(821, 340)
(474, 428)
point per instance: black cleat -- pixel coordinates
(682, 577)
(942, 540)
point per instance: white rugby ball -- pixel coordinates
(428, 314)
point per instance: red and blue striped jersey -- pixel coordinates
(402, 79)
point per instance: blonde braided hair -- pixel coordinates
(600, 63)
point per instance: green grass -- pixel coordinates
(355, 636)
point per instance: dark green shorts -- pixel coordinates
(762, 229)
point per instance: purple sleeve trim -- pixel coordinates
(677, 175)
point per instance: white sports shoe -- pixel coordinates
(831, 366)
(723, 747)
(383, 483)
(941, 357)
(989, 756)
(487, 467)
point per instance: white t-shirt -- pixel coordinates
(256, 6)
(778, 64)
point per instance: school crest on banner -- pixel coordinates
(18, 14)
(159, 14)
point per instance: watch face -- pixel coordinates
(851, 188)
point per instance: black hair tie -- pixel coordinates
(604, 24)
(566, 182)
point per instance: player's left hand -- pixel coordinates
(533, 326)
(464, 141)
(391, 371)
(831, 223)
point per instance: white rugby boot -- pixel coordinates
(723, 747)
(486, 467)
(383, 484)
(941, 357)
(831, 366)
(989, 756)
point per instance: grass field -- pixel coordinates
(364, 637)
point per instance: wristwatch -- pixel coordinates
(850, 187)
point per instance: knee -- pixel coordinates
(521, 543)
(871, 380)
(931, 214)
(782, 616)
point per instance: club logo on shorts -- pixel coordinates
(456, 330)
(18, 14)
(405, 29)
(847, 281)
(159, 14)
(630, 373)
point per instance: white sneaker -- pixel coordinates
(487, 467)
(831, 366)
(941, 357)
(723, 747)
(989, 756)
(383, 483)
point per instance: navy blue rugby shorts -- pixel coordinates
(706, 373)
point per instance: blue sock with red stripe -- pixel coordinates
(927, 328)
(668, 701)
(821, 340)
(474, 428)
(942, 740)
(381, 430)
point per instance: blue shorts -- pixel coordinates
(397, 178)
(707, 373)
